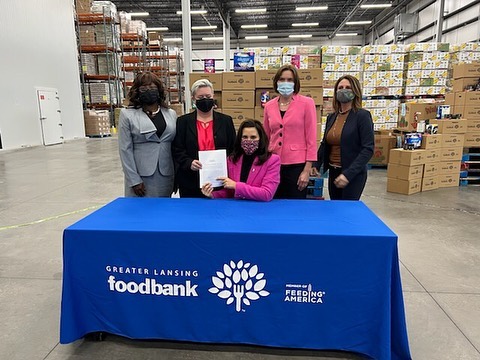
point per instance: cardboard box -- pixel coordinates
(310, 77)
(462, 84)
(238, 81)
(396, 171)
(448, 180)
(407, 157)
(450, 98)
(471, 112)
(451, 154)
(431, 141)
(383, 145)
(449, 167)
(424, 111)
(239, 115)
(259, 113)
(238, 99)
(451, 126)
(466, 70)
(178, 109)
(432, 156)
(473, 125)
(264, 78)
(217, 96)
(467, 98)
(472, 139)
(431, 169)
(315, 93)
(430, 183)
(214, 78)
(453, 140)
(406, 187)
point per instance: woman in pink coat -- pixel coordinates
(291, 125)
(253, 171)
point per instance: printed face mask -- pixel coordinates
(205, 104)
(285, 88)
(345, 95)
(249, 146)
(149, 97)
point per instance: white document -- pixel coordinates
(214, 165)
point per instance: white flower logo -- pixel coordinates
(239, 282)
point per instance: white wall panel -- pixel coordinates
(428, 16)
(38, 46)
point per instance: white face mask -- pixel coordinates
(285, 88)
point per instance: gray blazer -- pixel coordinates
(141, 150)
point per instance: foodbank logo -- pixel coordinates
(239, 283)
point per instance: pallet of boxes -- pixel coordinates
(97, 123)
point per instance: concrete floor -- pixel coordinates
(45, 189)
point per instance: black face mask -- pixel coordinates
(149, 97)
(204, 105)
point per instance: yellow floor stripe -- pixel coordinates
(49, 218)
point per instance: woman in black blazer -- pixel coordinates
(348, 142)
(203, 129)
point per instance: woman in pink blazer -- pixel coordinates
(253, 171)
(291, 125)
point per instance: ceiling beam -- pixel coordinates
(347, 18)
(224, 17)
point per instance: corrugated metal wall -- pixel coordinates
(38, 49)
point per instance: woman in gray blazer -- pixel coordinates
(145, 135)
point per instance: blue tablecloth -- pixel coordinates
(288, 273)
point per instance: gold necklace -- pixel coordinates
(344, 112)
(285, 104)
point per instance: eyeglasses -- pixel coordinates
(144, 88)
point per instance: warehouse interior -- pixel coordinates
(50, 184)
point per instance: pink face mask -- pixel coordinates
(249, 146)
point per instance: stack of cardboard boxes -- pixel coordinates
(241, 94)
(97, 123)
(384, 142)
(435, 165)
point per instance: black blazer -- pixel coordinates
(356, 143)
(185, 145)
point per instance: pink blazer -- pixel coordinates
(293, 138)
(262, 181)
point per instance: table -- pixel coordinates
(288, 273)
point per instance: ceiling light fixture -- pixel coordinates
(212, 38)
(347, 34)
(366, 22)
(256, 37)
(206, 27)
(375, 6)
(158, 29)
(138, 14)
(173, 39)
(244, 11)
(304, 24)
(311, 8)
(260, 26)
(300, 36)
(194, 12)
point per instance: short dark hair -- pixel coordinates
(146, 78)
(262, 153)
(296, 80)
(356, 88)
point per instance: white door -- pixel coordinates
(50, 116)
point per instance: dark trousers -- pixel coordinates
(288, 188)
(354, 189)
(190, 193)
